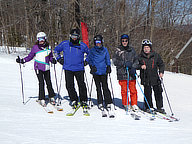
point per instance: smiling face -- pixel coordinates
(146, 49)
(124, 42)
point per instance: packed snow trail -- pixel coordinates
(29, 123)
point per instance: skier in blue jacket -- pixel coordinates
(73, 64)
(99, 61)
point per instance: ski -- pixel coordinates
(176, 119)
(111, 113)
(57, 107)
(73, 111)
(160, 116)
(85, 112)
(135, 116)
(48, 110)
(166, 117)
(103, 113)
(146, 115)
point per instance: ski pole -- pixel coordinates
(127, 89)
(112, 91)
(59, 100)
(89, 92)
(167, 97)
(90, 101)
(86, 82)
(56, 83)
(22, 89)
(143, 94)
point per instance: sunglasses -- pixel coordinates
(124, 40)
(145, 41)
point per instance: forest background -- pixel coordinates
(167, 23)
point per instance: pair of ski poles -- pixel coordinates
(22, 85)
(146, 98)
(90, 101)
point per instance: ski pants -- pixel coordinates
(101, 81)
(132, 89)
(157, 93)
(70, 85)
(44, 76)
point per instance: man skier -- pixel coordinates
(73, 64)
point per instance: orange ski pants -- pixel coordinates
(132, 89)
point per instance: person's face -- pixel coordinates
(98, 44)
(74, 39)
(41, 40)
(124, 42)
(146, 49)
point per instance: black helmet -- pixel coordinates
(75, 33)
(98, 38)
(146, 42)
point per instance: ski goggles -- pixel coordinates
(98, 42)
(41, 38)
(146, 41)
(74, 36)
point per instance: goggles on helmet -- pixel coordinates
(74, 36)
(146, 41)
(97, 41)
(41, 38)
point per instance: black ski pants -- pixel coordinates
(157, 93)
(70, 85)
(44, 76)
(101, 81)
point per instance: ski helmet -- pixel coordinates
(125, 36)
(75, 34)
(146, 42)
(98, 39)
(41, 36)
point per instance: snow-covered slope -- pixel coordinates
(30, 124)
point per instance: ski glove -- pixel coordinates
(85, 63)
(93, 69)
(108, 69)
(18, 60)
(128, 64)
(61, 60)
(132, 72)
(54, 61)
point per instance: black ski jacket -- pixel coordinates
(154, 66)
(121, 56)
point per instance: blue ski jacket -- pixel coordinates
(99, 57)
(73, 55)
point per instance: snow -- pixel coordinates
(30, 124)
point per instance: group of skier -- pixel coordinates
(70, 53)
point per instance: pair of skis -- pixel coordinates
(74, 110)
(48, 105)
(167, 117)
(158, 115)
(106, 113)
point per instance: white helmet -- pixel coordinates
(41, 35)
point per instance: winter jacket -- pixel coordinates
(120, 57)
(43, 55)
(99, 57)
(73, 55)
(154, 65)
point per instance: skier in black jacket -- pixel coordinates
(126, 57)
(151, 70)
